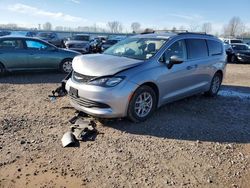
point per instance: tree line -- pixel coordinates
(234, 28)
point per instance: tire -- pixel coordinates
(215, 85)
(66, 66)
(139, 114)
(2, 70)
(234, 59)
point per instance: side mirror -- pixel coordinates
(173, 60)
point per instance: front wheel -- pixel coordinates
(215, 85)
(66, 66)
(142, 104)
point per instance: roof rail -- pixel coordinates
(179, 32)
(148, 31)
(172, 31)
(196, 33)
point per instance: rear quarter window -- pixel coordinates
(214, 48)
(196, 48)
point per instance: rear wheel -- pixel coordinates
(142, 104)
(66, 66)
(215, 85)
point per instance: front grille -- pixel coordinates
(81, 78)
(88, 103)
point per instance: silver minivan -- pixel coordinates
(143, 72)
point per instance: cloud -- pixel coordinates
(26, 9)
(75, 1)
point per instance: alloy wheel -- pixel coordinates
(67, 66)
(143, 104)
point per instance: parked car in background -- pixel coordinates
(51, 37)
(4, 33)
(228, 42)
(238, 53)
(25, 53)
(141, 73)
(79, 42)
(96, 44)
(232, 41)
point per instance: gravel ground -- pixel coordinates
(195, 142)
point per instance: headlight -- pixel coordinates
(107, 81)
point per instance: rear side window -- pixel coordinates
(11, 44)
(214, 47)
(196, 48)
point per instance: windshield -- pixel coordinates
(78, 37)
(240, 47)
(136, 48)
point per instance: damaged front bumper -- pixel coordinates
(100, 101)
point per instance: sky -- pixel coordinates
(157, 14)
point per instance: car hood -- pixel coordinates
(102, 64)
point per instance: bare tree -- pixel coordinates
(47, 26)
(59, 28)
(136, 26)
(206, 27)
(234, 28)
(193, 27)
(115, 27)
(173, 29)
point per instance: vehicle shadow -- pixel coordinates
(220, 119)
(32, 78)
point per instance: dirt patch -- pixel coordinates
(195, 142)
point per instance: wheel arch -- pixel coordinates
(220, 72)
(154, 87)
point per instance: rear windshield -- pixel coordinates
(111, 42)
(236, 41)
(82, 38)
(46, 35)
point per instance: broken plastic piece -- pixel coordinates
(68, 139)
(84, 129)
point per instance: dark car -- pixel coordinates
(4, 33)
(238, 53)
(26, 53)
(51, 37)
(96, 44)
(79, 42)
